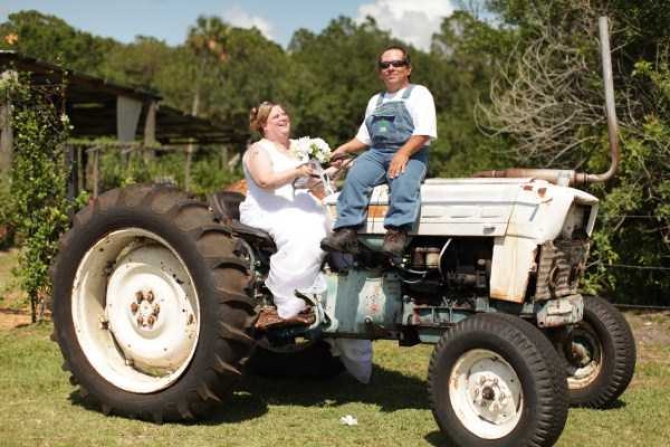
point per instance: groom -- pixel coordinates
(398, 128)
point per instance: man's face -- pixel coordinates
(394, 70)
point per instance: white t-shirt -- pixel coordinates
(420, 106)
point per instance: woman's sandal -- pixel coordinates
(268, 318)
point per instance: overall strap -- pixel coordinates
(408, 91)
(380, 99)
(405, 95)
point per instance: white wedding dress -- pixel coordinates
(297, 222)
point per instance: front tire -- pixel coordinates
(149, 305)
(601, 355)
(495, 380)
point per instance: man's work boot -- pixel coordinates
(394, 242)
(343, 239)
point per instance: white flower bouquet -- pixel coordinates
(311, 149)
(316, 152)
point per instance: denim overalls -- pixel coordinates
(390, 126)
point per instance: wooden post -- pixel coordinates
(187, 165)
(6, 138)
(224, 158)
(96, 157)
(80, 169)
(72, 178)
(150, 131)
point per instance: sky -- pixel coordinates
(413, 21)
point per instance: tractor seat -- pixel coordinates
(226, 204)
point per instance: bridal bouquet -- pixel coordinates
(311, 149)
(316, 152)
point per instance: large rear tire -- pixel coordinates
(495, 380)
(149, 305)
(601, 355)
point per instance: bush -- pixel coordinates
(38, 181)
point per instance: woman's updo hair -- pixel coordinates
(258, 116)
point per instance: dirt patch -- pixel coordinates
(10, 319)
(652, 334)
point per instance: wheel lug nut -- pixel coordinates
(140, 320)
(149, 296)
(139, 297)
(134, 307)
(151, 320)
(157, 309)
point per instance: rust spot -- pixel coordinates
(527, 187)
(239, 186)
(377, 211)
(541, 192)
(504, 296)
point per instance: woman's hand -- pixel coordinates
(262, 172)
(306, 170)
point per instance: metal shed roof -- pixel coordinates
(92, 105)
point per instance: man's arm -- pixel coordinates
(349, 147)
(400, 159)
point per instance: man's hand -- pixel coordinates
(339, 155)
(398, 164)
(306, 170)
(345, 151)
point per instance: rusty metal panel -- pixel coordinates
(561, 311)
(363, 302)
(561, 267)
(513, 262)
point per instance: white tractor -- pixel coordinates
(156, 294)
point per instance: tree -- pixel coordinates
(49, 38)
(549, 100)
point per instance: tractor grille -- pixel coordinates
(561, 267)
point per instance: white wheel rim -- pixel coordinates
(586, 360)
(135, 311)
(485, 394)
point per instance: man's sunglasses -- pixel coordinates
(396, 64)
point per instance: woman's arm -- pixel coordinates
(259, 165)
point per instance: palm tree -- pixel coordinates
(209, 41)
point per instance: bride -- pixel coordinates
(293, 217)
(297, 222)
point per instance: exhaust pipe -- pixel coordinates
(569, 177)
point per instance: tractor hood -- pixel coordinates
(527, 208)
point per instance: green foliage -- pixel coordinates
(38, 186)
(121, 168)
(6, 213)
(49, 38)
(632, 237)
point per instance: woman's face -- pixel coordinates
(278, 124)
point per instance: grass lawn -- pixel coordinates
(38, 406)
